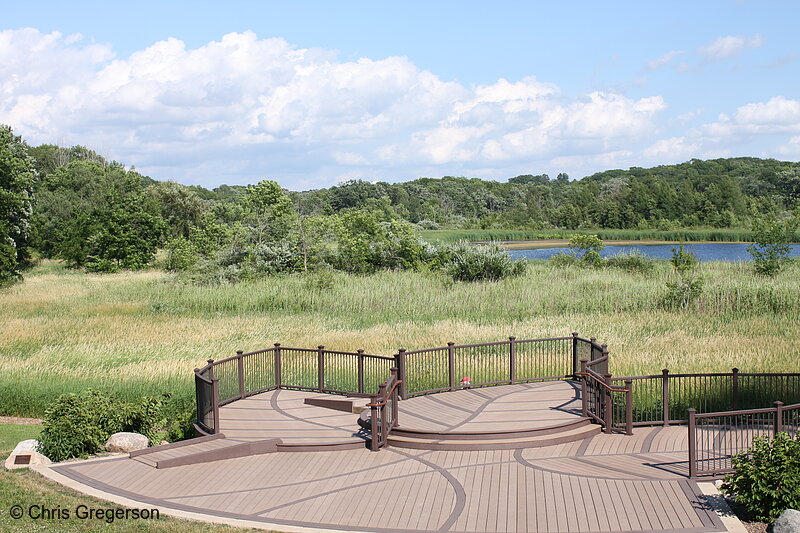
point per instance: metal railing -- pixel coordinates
(715, 438)
(320, 370)
(665, 398)
(384, 410)
(445, 368)
(609, 406)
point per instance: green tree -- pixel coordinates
(97, 216)
(270, 213)
(16, 202)
(770, 251)
(586, 248)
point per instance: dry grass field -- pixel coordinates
(142, 333)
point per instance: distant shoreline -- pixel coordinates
(564, 243)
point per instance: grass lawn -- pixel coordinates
(142, 333)
(26, 488)
(11, 434)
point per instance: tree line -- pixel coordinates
(73, 204)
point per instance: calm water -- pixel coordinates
(722, 251)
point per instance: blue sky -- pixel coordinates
(313, 93)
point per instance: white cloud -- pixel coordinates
(779, 114)
(664, 59)
(729, 46)
(242, 108)
(791, 148)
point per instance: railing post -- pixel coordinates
(629, 407)
(373, 400)
(665, 396)
(384, 425)
(584, 389)
(277, 365)
(240, 364)
(512, 366)
(395, 407)
(451, 366)
(360, 371)
(735, 389)
(575, 361)
(692, 443)
(215, 399)
(778, 418)
(320, 368)
(401, 365)
(608, 413)
(605, 354)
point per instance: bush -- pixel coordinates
(634, 262)
(684, 284)
(79, 425)
(770, 251)
(466, 262)
(766, 478)
(564, 260)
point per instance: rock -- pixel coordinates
(25, 455)
(126, 442)
(787, 522)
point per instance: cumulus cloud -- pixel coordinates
(729, 46)
(242, 107)
(777, 115)
(664, 59)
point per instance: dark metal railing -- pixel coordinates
(384, 410)
(446, 368)
(715, 438)
(320, 370)
(665, 398)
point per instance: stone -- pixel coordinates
(25, 455)
(126, 442)
(787, 522)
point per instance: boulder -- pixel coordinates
(25, 455)
(787, 522)
(126, 442)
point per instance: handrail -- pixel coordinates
(728, 433)
(381, 404)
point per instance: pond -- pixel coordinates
(715, 251)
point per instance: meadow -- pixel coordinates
(142, 333)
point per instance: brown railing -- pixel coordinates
(714, 438)
(320, 370)
(610, 406)
(384, 410)
(493, 363)
(665, 398)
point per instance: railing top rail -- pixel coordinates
(482, 344)
(589, 341)
(747, 411)
(706, 374)
(601, 380)
(202, 377)
(597, 361)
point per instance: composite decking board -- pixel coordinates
(611, 486)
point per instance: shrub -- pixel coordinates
(79, 425)
(770, 251)
(563, 259)
(586, 247)
(466, 262)
(766, 478)
(684, 284)
(633, 262)
(181, 254)
(76, 426)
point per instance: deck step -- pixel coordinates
(530, 441)
(203, 450)
(348, 405)
(489, 434)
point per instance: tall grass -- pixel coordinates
(142, 333)
(676, 235)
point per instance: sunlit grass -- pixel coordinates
(143, 333)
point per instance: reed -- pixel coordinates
(142, 333)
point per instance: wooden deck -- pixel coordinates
(603, 483)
